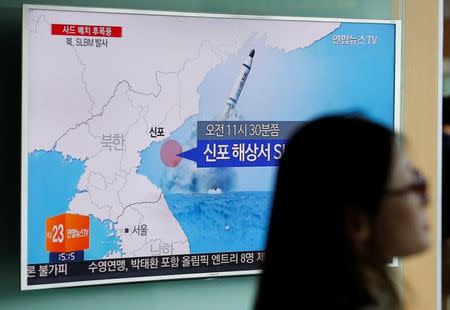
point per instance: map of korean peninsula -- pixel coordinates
(100, 101)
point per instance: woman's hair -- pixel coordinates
(329, 164)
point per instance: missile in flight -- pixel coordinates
(239, 84)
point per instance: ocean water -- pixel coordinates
(227, 222)
(300, 85)
(103, 239)
(52, 184)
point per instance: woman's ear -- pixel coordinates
(357, 225)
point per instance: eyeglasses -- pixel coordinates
(419, 185)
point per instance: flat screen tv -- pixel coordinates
(151, 139)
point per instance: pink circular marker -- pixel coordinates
(169, 151)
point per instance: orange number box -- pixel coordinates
(67, 233)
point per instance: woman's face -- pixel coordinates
(401, 228)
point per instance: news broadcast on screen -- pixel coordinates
(151, 140)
